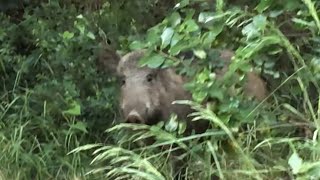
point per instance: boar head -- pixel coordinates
(146, 94)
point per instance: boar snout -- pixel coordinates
(134, 117)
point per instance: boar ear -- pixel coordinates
(226, 55)
(108, 59)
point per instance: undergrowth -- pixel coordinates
(56, 104)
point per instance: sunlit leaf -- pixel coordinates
(166, 37)
(260, 21)
(68, 35)
(91, 35)
(295, 163)
(172, 124)
(200, 54)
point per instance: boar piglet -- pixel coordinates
(146, 94)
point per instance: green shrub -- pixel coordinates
(55, 100)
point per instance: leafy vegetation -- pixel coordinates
(56, 105)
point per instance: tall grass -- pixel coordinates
(54, 103)
(282, 140)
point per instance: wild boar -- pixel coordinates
(147, 94)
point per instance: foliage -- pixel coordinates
(53, 99)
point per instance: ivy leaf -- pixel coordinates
(166, 37)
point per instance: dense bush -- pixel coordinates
(54, 99)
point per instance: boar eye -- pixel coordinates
(149, 77)
(123, 81)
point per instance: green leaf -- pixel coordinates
(152, 61)
(172, 124)
(91, 35)
(175, 19)
(84, 148)
(135, 45)
(220, 5)
(315, 64)
(263, 5)
(166, 37)
(255, 28)
(208, 37)
(200, 54)
(175, 39)
(80, 126)
(68, 35)
(217, 94)
(250, 31)
(75, 109)
(260, 21)
(169, 63)
(177, 48)
(181, 4)
(274, 14)
(191, 25)
(80, 16)
(153, 35)
(81, 28)
(205, 17)
(295, 163)
(199, 96)
(304, 23)
(182, 127)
